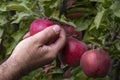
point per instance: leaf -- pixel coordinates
(3, 19)
(62, 19)
(13, 6)
(19, 16)
(98, 0)
(118, 45)
(98, 18)
(83, 24)
(57, 71)
(17, 36)
(116, 8)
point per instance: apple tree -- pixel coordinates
(98, 22)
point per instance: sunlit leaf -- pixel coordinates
(98, 0)
(115, 7)
(98, 18)
(13, 6)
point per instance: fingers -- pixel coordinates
(26, 35)
(47, 34)
(59, 44)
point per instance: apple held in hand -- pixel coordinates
(95, 63)
(73, 51)
(38, 25)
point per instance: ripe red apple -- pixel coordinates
(95, 63)
(73, 51)
(68, 29)
(38, 25)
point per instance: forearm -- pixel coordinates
(10, 70)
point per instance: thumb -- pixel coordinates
(47, 34)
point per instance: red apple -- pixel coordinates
(95, 63)
(68, 29)
(38, 25)
(73, 51)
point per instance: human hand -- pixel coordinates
(32, 52)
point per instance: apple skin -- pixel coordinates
(95, 63)
(73, 51)
(38, 25)
(68, 29)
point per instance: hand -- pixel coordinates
(32, 52)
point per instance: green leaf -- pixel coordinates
(3, 19)
(83, 24)
(98, 18)
(17, 36)
(57, 71)
(62, 19)
(116, 8)
(18, 6)
(118, 45)
(19, 16)
(98, 0)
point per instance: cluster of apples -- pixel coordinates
(94, 63)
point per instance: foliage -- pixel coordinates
(100, 24)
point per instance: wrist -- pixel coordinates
(10, 70)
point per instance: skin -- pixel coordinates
(32, 53)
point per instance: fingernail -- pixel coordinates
(56, 28)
